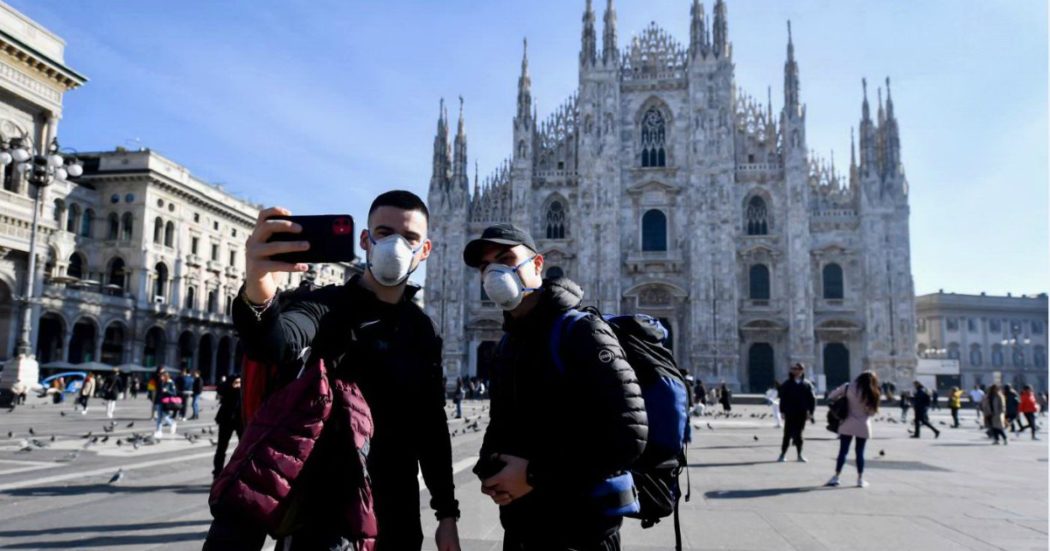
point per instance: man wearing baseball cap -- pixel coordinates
(554, 436)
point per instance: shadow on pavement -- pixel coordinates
(101, 528)
(742, 464)
(107, 542)
(53, 491)
(759, 492)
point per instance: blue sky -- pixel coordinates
(319, 105)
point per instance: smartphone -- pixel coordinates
(331, 238)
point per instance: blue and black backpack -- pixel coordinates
(655, 475)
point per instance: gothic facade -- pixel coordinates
(661, 188)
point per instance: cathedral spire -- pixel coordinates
(882, 114)
(791, 81)
(589, 40)
(720, 45)
(439, 173)
(699, 44)
(769, 103)
(891, 136)
(889, 100)
(867, 133)
(460, 180)
(609, 52)
(524, 85)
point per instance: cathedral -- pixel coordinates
(663, 189)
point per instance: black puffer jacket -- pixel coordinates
(576, 428)
(796, 397)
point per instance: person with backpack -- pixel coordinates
(87, 390)
(366, 332)
(797, 404)
(921, 401)
(862, 397)
(558, 485)
(167, 405)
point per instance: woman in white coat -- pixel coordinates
(863, 398)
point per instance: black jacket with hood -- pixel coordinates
(796, 397)
(575, 428)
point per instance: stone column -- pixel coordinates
(214, 365)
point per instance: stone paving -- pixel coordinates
(957, 491)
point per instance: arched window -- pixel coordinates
(126, 225)
(86, 222)
(169, 234)
(114, 226)
(73, 218)
(60, 212)
(653, 135)
(975, 355)
(76, 266)
(758, 282)
(833, 281)
(116, 274)
(997, 355)
(1018, 356)
(555, 272)
(191, 299)
(229, 305)
(160, 285)
(556, 220)
(213, 301)
(158, 230)
(953, 351)
(654, 231)
(756, 217)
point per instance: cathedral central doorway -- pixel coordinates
(836, 364)
(760, 373)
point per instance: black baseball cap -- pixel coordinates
(507, 235)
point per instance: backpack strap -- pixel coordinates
(561, 328)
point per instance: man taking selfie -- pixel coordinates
(554, 436)
(370, 331)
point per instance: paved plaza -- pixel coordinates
(958, 491)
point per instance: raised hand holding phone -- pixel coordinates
(259, 267)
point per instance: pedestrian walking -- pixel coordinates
(1043, 403)
(921, 401)
(229, 420)
(955, 404)
(1013, 412)
(87, 390)
(863, 397)
(542, 475)
(934, 399)
(169, 402)
(197, 388)
(797, 403)
(184, 385)
(976, 398)
(699, 398)
(995, 412)
(1029, 408)
(133, 387)
(369, 332)
(905, 404)
(725, 397)
(111, 390)
(457, 398)
(773, 401)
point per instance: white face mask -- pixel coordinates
(504, 286)
(390, 259)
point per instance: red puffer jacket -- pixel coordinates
(1028, 403)
(282, 434)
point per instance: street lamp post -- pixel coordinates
(43, 167)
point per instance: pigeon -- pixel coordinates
(24, 446)
(117, 476)
(129, 425)
(107, 428)
(755, 437)
(88, 435)
(38, 443)
(31, 431)
(120, 442)
(105, 439)
(10, 434)
(62, 413)
(882, 453)
(710, 427)
(52, 437)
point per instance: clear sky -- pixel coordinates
(319, 105)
